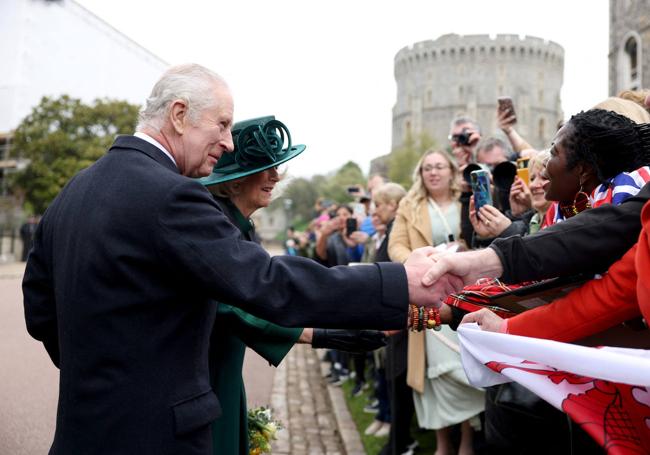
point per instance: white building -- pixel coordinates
(55, 47)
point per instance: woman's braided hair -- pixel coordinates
(611, 143)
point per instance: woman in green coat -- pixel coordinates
(241, 183)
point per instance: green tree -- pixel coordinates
(336, 187)
(303, 193)
(60, 137)
(402, 160)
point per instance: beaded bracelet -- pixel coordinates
(420, 318)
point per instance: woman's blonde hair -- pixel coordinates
(418, 192)
(389, 192)
(539, 159)
(627, 107)
(638, 96)
(226, 189)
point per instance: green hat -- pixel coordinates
(258, 146)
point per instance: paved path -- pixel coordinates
(28, 380)
(302, 402)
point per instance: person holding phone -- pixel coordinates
(335, 246)
(507, 119)
(489, 223)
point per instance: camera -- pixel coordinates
(463, 137)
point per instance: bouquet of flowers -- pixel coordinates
(262, 430)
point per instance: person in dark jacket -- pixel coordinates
(128, 259)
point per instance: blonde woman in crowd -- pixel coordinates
(430, 215)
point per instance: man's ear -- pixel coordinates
(178, 115)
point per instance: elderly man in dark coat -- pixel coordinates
(127, 258)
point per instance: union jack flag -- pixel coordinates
(613, 191)
(619, 188)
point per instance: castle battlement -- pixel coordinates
(465, 74)
(475, 47)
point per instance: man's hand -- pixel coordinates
(486, 319)
(466, 267)
(417, 265)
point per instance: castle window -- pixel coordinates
(541, 127)
(631, 49)
(629, 62)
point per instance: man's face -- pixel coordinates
(491, 157)
(463, 153)
(202, 143)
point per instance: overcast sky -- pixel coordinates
(326, 68)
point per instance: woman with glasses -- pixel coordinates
(430, 215)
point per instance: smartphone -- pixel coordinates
(481, 188)
(350, 226)
(522, 170)
(353, 189)
(505, 105)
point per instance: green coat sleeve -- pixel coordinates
(269, 340)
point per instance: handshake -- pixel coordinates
(433, 275)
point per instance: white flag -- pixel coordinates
(604, 390)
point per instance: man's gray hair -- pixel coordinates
(462, 120)
(191, 83)
(489, 143)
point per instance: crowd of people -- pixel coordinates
(600, 156)
(144, 287)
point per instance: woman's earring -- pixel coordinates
(580, 202)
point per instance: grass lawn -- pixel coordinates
(374, 444)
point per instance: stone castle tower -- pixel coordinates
(464, 75)
(629, 45)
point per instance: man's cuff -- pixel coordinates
(505, 274)
(394, 286)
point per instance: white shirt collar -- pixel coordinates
(152, 141)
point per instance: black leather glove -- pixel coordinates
(355, 341)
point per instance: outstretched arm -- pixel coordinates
(568, 248)
(590, 309)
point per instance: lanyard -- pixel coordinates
(443, 218)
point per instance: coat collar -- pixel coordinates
(135, 143)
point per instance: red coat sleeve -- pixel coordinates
(592, 308)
